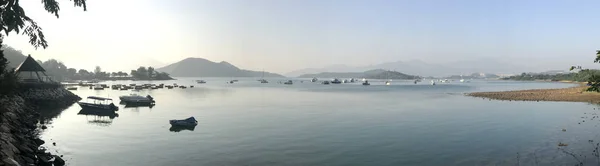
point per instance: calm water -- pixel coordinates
(248, 123)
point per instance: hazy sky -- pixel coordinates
(285, 35)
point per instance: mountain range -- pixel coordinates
(417, 67)
(371, 74)
(199, 67)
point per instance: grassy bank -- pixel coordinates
(572, 94)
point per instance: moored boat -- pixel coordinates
(289, 82)
(99, 103)
(336, 81)
(314, 80)
(366, 83)
(98, 87)
(191, 121)
(325, 82)
(135, 98)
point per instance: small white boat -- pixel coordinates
(462, 80)
(289, 82)
(388, 82)
(345, 81)
(135, 98)
(314, 80)
(432, 82)
(352, 80)
(191, 121)
(98, 87)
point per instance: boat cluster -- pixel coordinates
(129, 86)
(104, 106)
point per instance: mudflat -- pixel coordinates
(572, 94)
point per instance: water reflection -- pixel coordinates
(181, 128)
(47, 114)
(99, 117)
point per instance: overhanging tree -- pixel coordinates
(14, 19)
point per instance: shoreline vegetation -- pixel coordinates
(570, 94)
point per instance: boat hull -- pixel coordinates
(91, 106)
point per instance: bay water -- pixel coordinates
(249, 123)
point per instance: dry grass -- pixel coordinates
(573, 94)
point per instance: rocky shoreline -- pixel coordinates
(572, 94)
(21, 123)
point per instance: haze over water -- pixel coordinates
(248, 123)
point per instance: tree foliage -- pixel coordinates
(8, 78)
(591, 76)
(14, 19)
(143, 73)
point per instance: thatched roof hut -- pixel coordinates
(29, 71)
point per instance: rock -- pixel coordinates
(45, 159)
(10, 162)
(58, 161)
(28, 160)
(39, 141)
(24, 149)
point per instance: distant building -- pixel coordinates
(31, 72)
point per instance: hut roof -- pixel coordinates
(29, 65)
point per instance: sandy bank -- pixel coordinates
(573, 94)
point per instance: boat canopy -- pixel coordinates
(98, 98)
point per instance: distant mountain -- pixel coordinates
(371, 74)
(331, 68)
(14, 57)
(417, 67)
(198, 67)
(474, 76)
